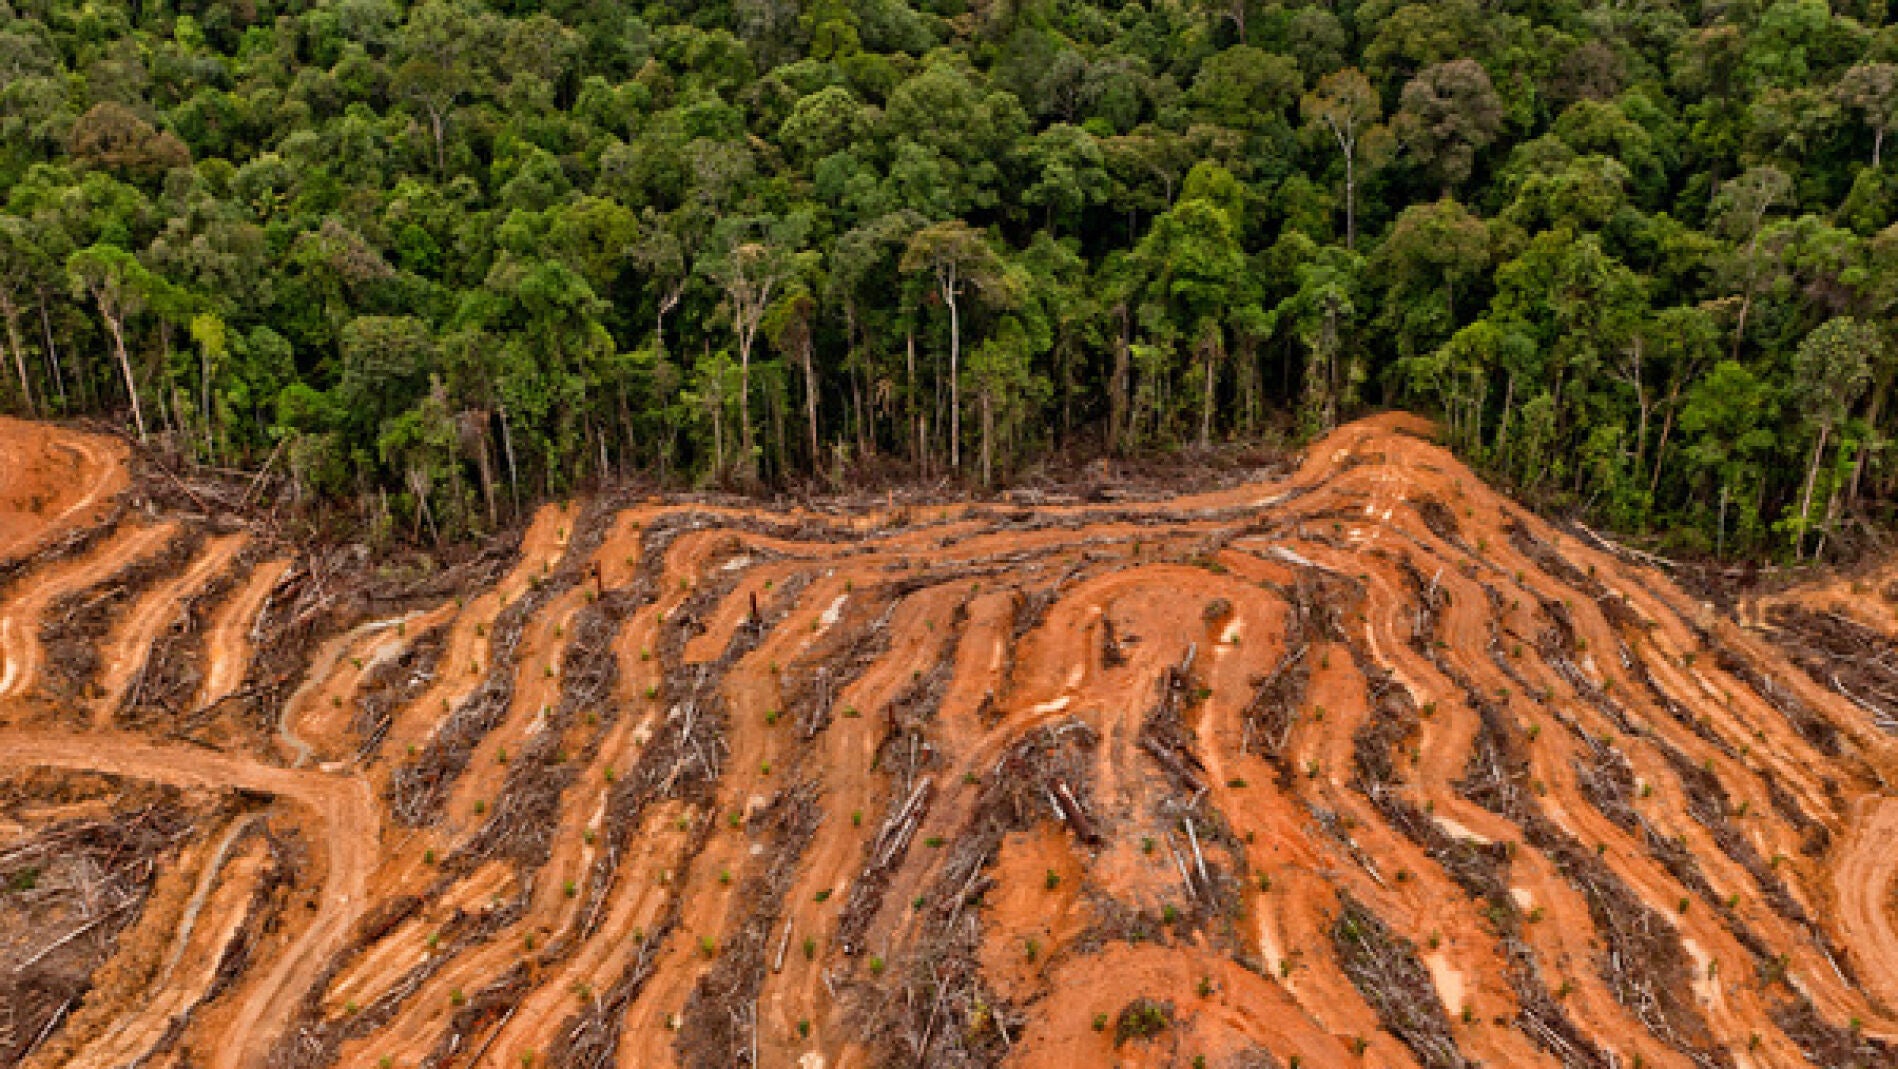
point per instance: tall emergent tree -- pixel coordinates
(1345, 106)
(955, 256)
(118, 285)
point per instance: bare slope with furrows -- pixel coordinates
(169, 677)
(73, 629)
(1360, 766)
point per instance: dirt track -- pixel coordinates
(347, 815)
(1362, 766)
(1866, 882)
(51, 481)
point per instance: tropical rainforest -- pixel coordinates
(439, 260)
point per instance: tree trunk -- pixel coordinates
(1831, 516)
(810, 395)
(1739, 327)
(666, 304)
(955, 373)
(11, 312)
(774, 407)
(204, 399)
(484, 460)
(1752, 280)
(52, 351)
(866, 430)
(513, 472)
(718, 433)
(746, 471)
(1350, 198)
(1873, 410)
(915, 417)
(1210, 346)
(1720, 532)
(1249, 367)
(419, 485)
(988, 435)
(1805, 498)
(1117, 384)
(1502, 428)
(1643, 407)
(171, 422)
(1660, 448)
(125, 366)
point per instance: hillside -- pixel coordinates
(1359, 764)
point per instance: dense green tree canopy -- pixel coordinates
(445, 258)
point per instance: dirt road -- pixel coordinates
(349, 824)
(52, 480)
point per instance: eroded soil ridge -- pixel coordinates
(1363, 765)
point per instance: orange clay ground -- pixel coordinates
(1362, 766)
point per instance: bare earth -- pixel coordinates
(1360, 766)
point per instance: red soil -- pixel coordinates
(1364, 766)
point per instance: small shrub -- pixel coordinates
(1143, 1018)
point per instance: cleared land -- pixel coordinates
(1356, 765)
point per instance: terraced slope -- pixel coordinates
(1362, 765)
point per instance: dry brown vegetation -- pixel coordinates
(1357, 765)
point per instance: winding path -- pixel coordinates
(1866, 879)
(349, 821)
